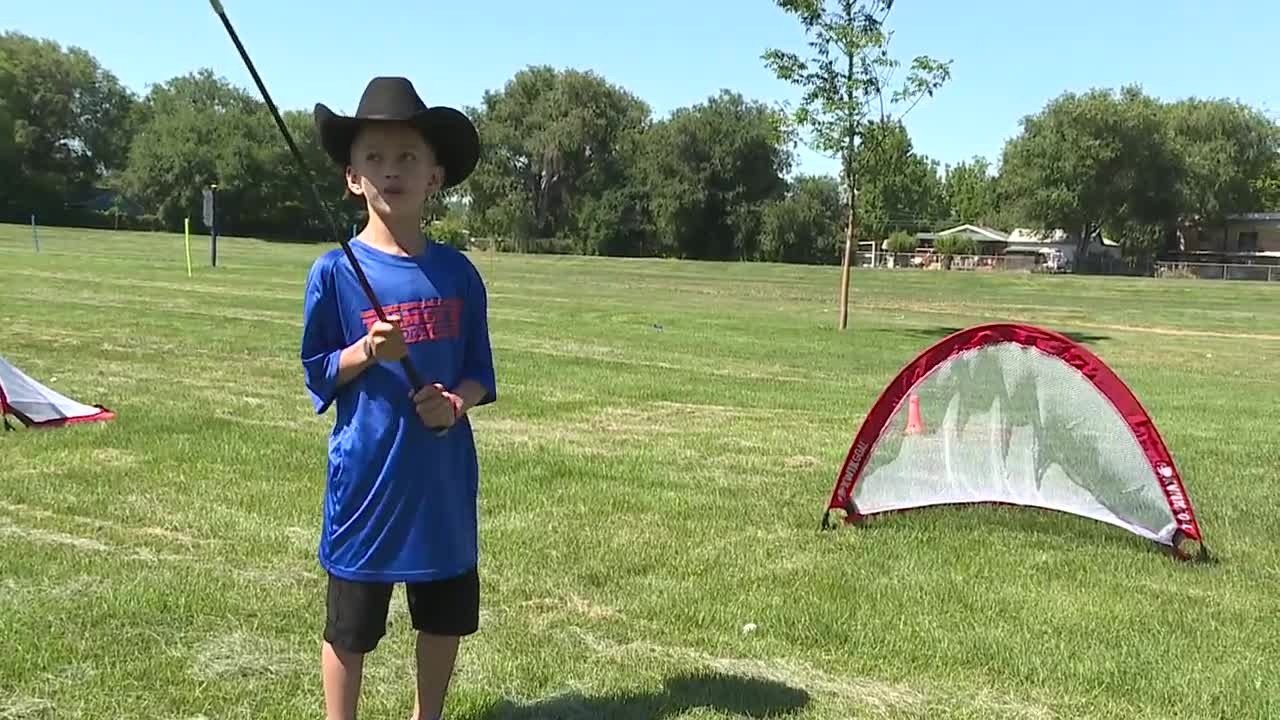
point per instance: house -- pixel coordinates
(989, 241)
(1240, 237)
(1056, 249)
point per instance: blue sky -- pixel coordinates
(1010, 56)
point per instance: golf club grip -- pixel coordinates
(414, 379)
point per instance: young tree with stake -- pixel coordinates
(848, 87)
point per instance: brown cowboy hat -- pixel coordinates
(451, 133)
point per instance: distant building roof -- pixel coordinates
(1051, 237)
(977, 232)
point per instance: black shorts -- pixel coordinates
(357, 611)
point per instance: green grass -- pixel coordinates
(646, 492)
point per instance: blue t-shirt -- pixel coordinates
(400, 503)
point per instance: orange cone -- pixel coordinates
(914, 425)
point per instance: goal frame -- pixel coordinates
(1091, 368)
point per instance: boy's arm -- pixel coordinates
(471, 393)
(322, 339)
(355, 359)
(383, 342)
(478, 384)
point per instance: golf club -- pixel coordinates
(305, 175)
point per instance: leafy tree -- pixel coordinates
(901, 190)
(552, 139)
(10, 154)
(616, 222)
(901, 243)
(1268, 189)
(281, 205)
(1226, 149)
(955, 245)
(804, 226)
(846, 84)
(199, 129)
(710, 169)
(970, 190)
(448, 230)
(64, 124)
(1096, 162)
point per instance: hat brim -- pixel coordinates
(450, 132)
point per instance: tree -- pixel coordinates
(970, 190)
(951, 246)
(617, 219)
(845, 83)
(282, 206)
(65, 123)
(1268, 189)
(709, 171)
(901, 189)
(804, 226)
(1227, 150)
(901, 243)
(199, 129)
(552, 139)
(10, 156)
(1097, 162)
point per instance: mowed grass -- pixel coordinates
(654, 475)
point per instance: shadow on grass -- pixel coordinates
(737, 696)
(934, 334)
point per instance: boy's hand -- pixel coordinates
(384, 342)
(437, 407)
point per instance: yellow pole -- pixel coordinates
(186, 231)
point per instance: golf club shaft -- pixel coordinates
(305, 176)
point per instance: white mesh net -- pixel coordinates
(1010, 424)
(35, 401)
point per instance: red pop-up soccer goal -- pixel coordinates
(33, 405)
(1016, 415)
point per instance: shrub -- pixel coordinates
(952, 245)
(450, 231)
(901, 243)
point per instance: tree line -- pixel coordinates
(575, 163)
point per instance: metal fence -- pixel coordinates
(1218, 271)
(1260, 271)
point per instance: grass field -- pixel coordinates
(653, 479)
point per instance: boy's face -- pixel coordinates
(394, 169)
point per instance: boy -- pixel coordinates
(400, 505)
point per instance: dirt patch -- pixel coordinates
(584, 434)
(801, 461)
(574, 604)
(1061, 318)
(48, 588)
(613, 355)
(275, 578)
(53, 537)
(713, 411)
(100, 523)
(1187, 333)
(115, 457)
(21, 707)
(243, 655)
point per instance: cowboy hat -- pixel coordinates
(451, 133)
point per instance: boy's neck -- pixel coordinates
(403, 237)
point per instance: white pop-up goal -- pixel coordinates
(26, 401)
(1016, 415)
